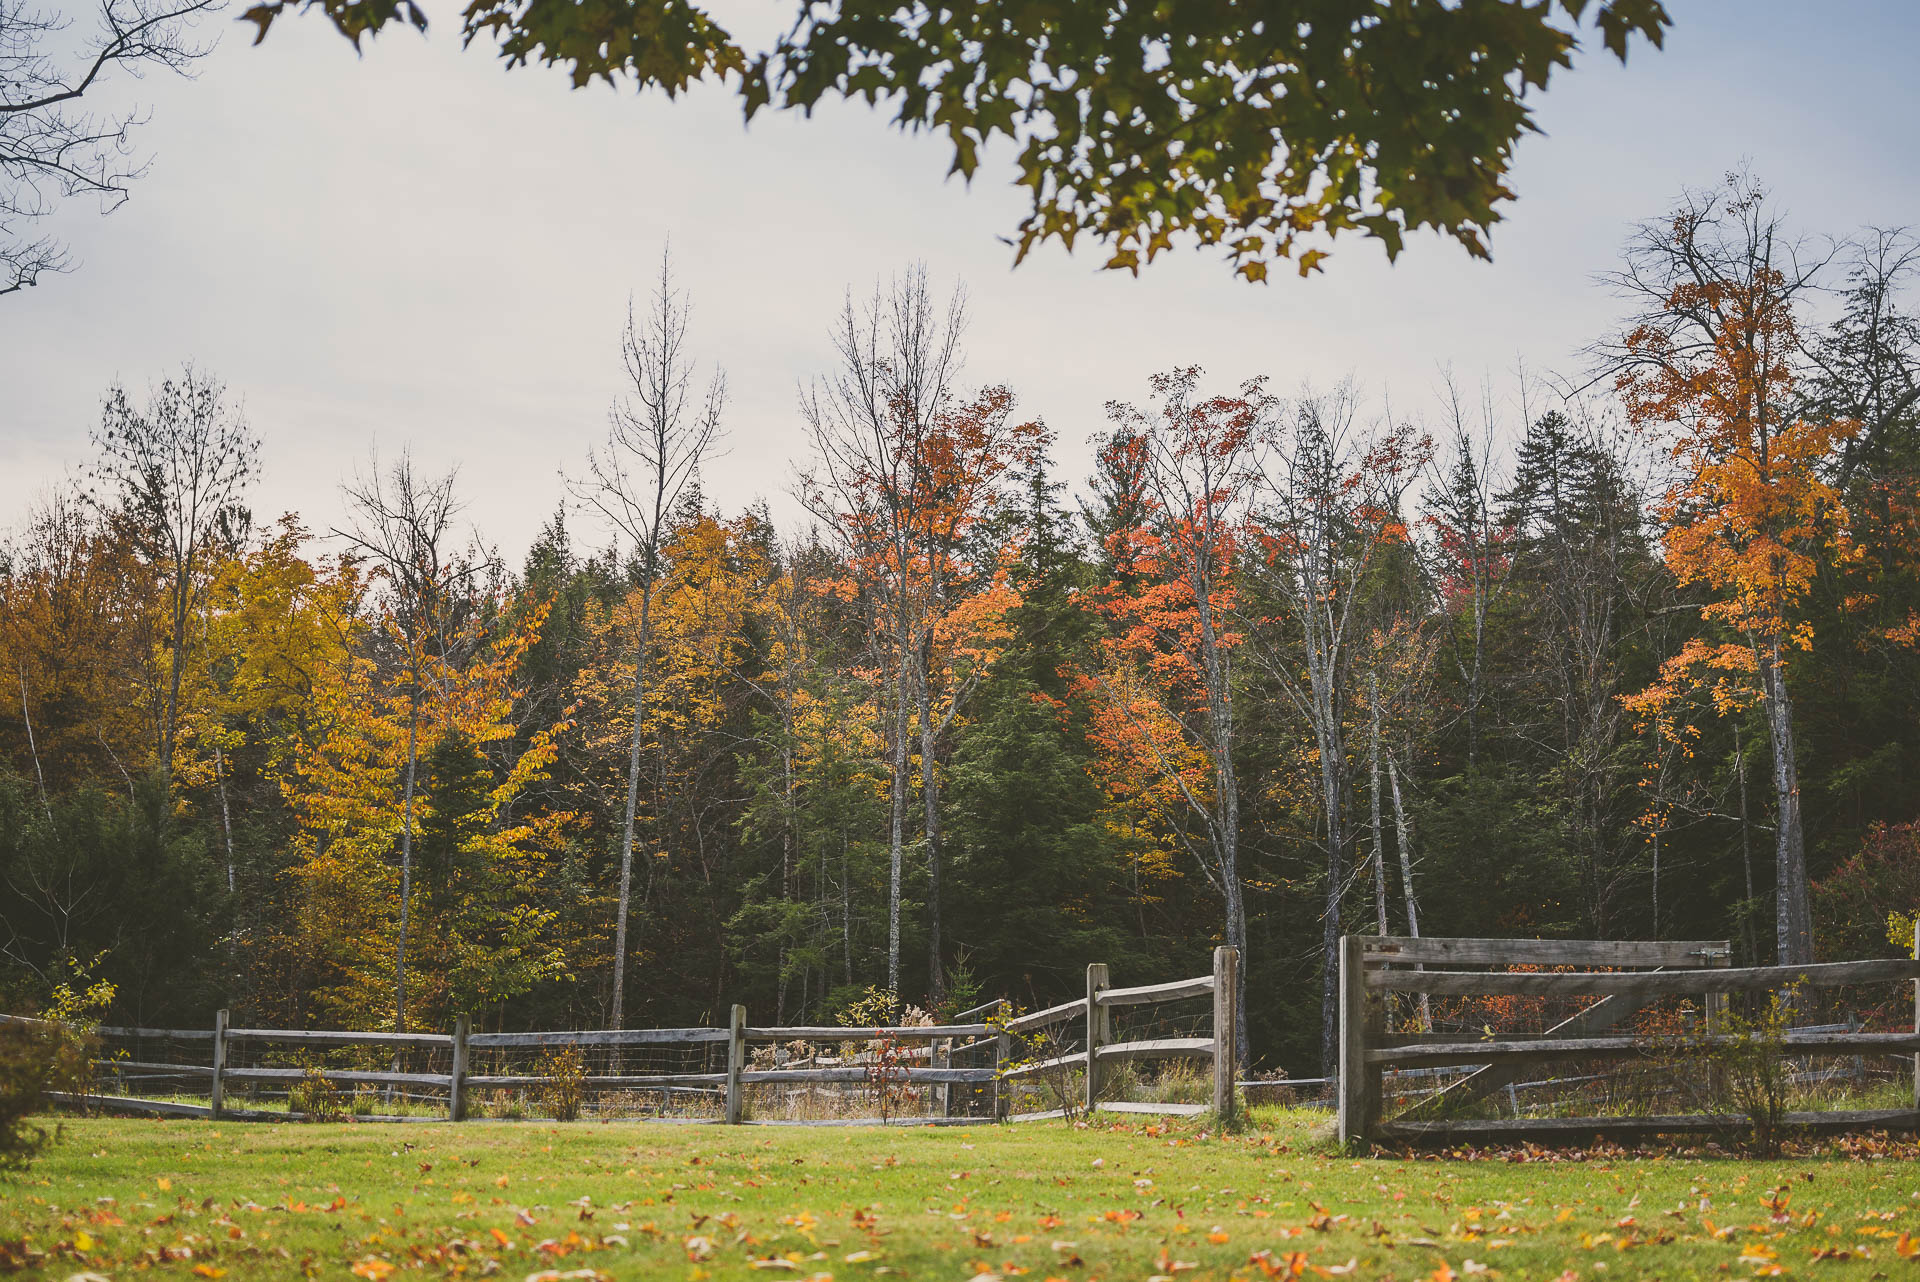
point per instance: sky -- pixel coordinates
(414, 248)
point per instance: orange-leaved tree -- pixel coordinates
(906, 469)
(1747, 516)
(1164, 696)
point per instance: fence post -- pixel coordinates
(1099, 1028)
(1916, 1014)
(1715, 1006)
(1226, 1030)
(941, 1056)
(217, 1090)
(1002, 1052)
(1354, 1122)
(736, 1063)
(457, 1077)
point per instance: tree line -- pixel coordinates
(1625, 654)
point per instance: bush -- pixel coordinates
(55, 1054)
(565, 1089)
(1755, 1069)
(35, 1058)
(1853, 905)
(316, 1096)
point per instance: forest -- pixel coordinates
(1626, 650)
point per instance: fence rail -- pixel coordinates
(1372, 967)
(920, 1055)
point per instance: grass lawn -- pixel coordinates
(121, 1199)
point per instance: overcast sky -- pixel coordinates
(416, 248)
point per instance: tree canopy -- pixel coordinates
(1263, 130)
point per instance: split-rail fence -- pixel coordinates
(918, 1056)
(1626, 977)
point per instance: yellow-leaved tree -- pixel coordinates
(480, 932)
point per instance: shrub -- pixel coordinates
(316, 1096)
(1753, 1065)
(55, 1054)
(36, 1058)
(565, 1089)
(1852, 906)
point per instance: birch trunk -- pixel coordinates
(930, 795)
(1404, 831)
(1793, 931)
(1373, 771)
(406, 859)
(643, 644)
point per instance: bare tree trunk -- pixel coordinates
(406, 859)
(1746, 845)
(1373, 771)
(1656, 883)
(786, 852)
(1793, 929)
(930, 794)
(846, 914)
(897, 833)
(1404, 830)
(226, 815)
(182, 593)
(1330, 919)
(642, 651)
(33, 750)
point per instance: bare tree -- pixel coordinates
(1468, 540)
(1866, 366)
(50, 146)
(899, 360)
(1327, 498)
(403, 523)
(658, 434)
(178, 470)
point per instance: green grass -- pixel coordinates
(126, 1198)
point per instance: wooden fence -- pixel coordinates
(927, 1062)
(1101, 1050)
(1636, 974)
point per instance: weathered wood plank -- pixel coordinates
(1539, 952)
(340, 1037)
(1099, 1029)
(636, 1080)
(597, 1037)
(828, 1033)
(1891, 1119)
(161, 1108)
(1156, 1048)
(1548, 1048)
(201, 1070)
(1226, 1030)
(1483, 1081)
(1051, 1115)
(1353, 1123)
(332, 1075)
(1046, 1065)
(1177, 990)
(1163, 1110)
(1051, 1015)
(216, 1093)
(736, 1064)
(1644, 984)
(944, 1075)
